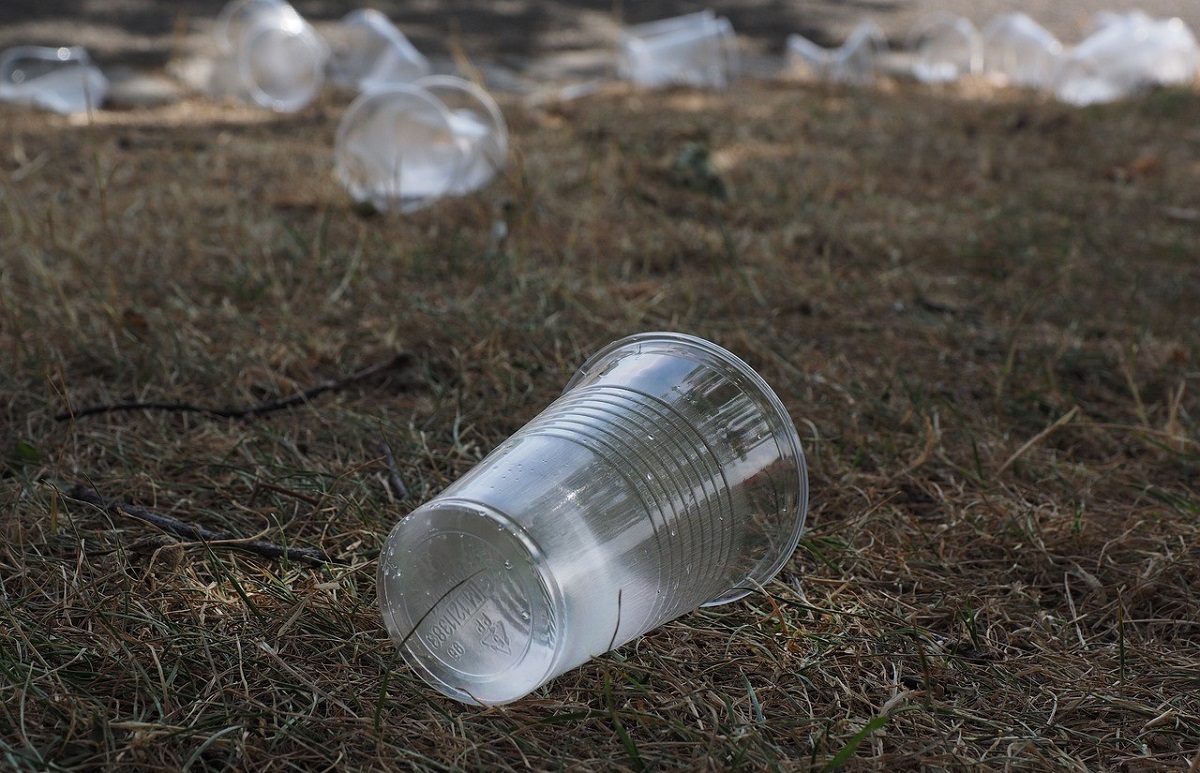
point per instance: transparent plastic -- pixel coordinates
(667, 476)
(367, 50)
(1018, 51)
(278, 58)
(856, 61)
(396, 148)
(697, 49)
(401, 146)
(945, 48)
(61, 79)
(479, 126)
(1125, 54)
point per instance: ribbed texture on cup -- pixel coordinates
(674, 473)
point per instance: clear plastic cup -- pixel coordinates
(684, 22)
(945, 48)
(1019, 51)
(278, 57)
(396, 147)
(1125, 54)
(812, 59)
(402, 146)
(61, 79)
(856, 61)
(697, 49)
(479, 125)
(367, 50)
(666, 476)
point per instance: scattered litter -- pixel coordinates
(1127, 53)
(1123, 53)
(270, 55)
(1018, 51)
(945, 48)
(367, 50)
(697, 49)
(856, 61)
(402, 146)
(62, 80)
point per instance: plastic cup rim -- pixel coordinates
(412, 90)
(490, 106)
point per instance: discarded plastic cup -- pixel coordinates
(278, 57)
(666, 476)
(368, 50)
(1019, 51)
(401, 146)
(479, 125)
(62, 79)
(697, 49)
(809, 57)
(1124, 55)
(855, 61)
(1102, 19)
(396, 148)
(945, 48)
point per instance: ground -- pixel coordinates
(978, 306)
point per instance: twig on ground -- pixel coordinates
(188, 531)
(401, 360)
(1039, 437)
(395, 483)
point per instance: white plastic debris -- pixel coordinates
(1127, 53)
(62, 79)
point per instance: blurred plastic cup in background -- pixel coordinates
(697, 49)
(278, 57)
(1019, 51)
(856, 61)
(368, 50)
(809, 58)
(1124, 55)
(479, 125)
(1102, 19)
(396, 148)
(402, 146)
(62, 79)
(666, 476)
(945, 48)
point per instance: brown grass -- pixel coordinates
(980, 309)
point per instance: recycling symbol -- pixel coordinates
(496, 638)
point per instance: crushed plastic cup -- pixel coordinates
(402, 146)
(1020, 52)
(697, 49)
(276, 56)
(1125, 54)
(945, 48)
(667, 476)
(856, 61)
(60, 79)
(367, 50)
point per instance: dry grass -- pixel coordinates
(981, 311)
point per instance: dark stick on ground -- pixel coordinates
(188, 531)
(394, 481)
(400, 361)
